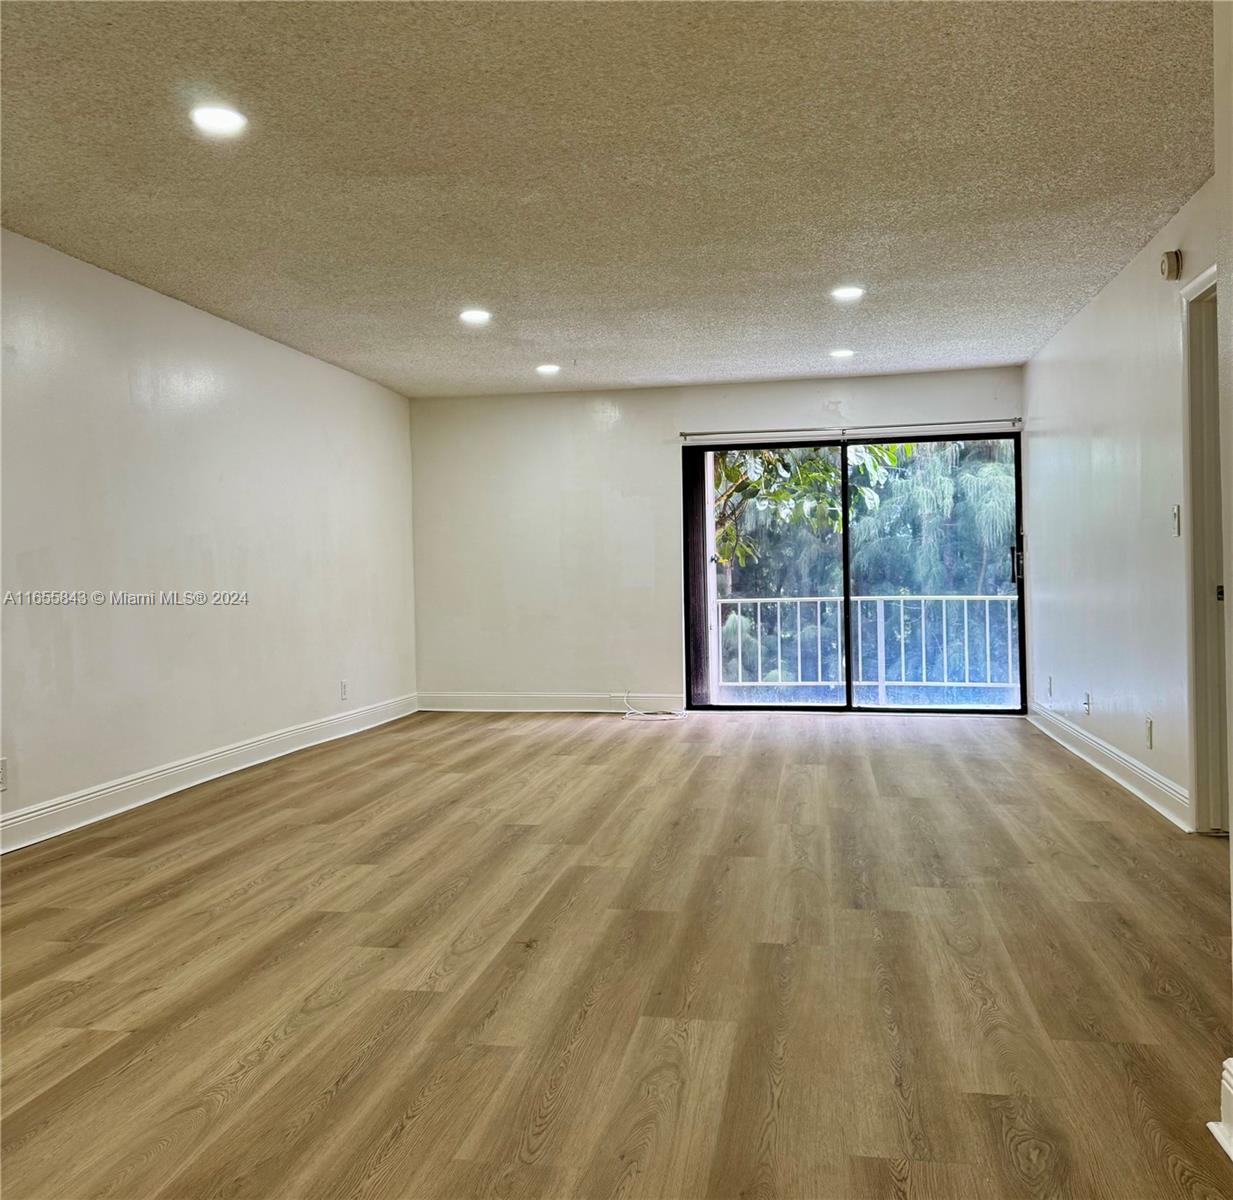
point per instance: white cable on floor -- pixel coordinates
(636, 714)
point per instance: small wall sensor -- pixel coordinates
(1171, 264)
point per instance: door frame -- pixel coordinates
(698, 522)
(1204, 553)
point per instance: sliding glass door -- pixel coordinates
(857, 574)
(934, 574)
(776, 576)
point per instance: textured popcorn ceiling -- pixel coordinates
(644, 193)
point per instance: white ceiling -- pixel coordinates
(644, 193)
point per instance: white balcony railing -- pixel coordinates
(899, 641)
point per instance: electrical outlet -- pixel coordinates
(1087, 703)
(1147, 731)
(4, 774)
(342, 690)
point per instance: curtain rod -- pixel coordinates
(844, 430)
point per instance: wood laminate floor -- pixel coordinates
(742, 955)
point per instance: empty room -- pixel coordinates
(616, 600)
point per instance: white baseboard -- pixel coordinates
(546, 701)
(51, 817)
(1165, 796)
(1222, 1130)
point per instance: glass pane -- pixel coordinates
(777, 625)
(935, 618)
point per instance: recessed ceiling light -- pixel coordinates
(547, 368)
(475, 316)
(218, 121)
(848, 292)
(842, 353)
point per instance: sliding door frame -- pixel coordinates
(697, 608)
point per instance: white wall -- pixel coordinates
(1223, 46)
(148, 445)
(1222, 19)
(548, 529)
(1104, 465)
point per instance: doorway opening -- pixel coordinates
(1208, 703)
(856, 574)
